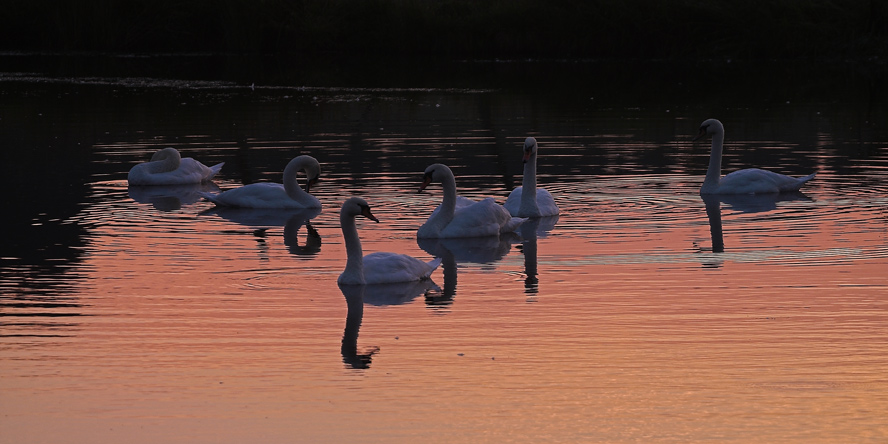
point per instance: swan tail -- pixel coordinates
(215, 170)
(209, 196)
(798, 183)
(512, 224)
(807, 178)
(433, 265)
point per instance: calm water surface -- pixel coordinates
(641, 314)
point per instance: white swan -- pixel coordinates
(167, 167)
(748, 181)
(463, 217)
(537, 202)
(380, 267)
(275, 195)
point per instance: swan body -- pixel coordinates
(537, 202)
(275, 195)
(167, 167)
(460, 216)
(747, 181)
(380, 267)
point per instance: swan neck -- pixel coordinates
(354, 264)
(713, 174)
(448, 205)
(529, 187)
(291, 182)
(164, 161)
(443, 215)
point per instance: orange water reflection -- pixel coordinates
(198, 329)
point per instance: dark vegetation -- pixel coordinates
(748, 29)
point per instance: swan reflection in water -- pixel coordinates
(262, 219)
(742, 203)
(170, 197)
(530, 231)
(379, 295)
(452, 251)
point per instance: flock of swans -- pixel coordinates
(456, 217)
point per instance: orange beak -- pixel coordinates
(310, 183)
(700, 135)
(425, 182)
(366, 213)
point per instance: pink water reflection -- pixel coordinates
(195, 328)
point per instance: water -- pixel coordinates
(641, 314)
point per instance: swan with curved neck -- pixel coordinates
(167, 167)
(747, 181)
(528, 200)
(379, 267)
(275, 195)
(460, 216)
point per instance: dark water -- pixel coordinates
(642, 313)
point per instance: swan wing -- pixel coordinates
(484, 218)
(139, 175)
(189, 171)
(254, 195)
(431, 228)
(513, 202)
(383, 267)
(214, 170)
(192, 170)
(545, 203)
(460, 203)
(758, 181)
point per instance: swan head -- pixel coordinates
(434, 173)
(356, 206)
(312, 170)
(162, 161)
(530, 148)
(709, 127)
(312, 179)
(166, 153)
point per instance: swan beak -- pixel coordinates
(310, 183)
(527, 154)
(366, 213)
(700, 135)
(425, 182)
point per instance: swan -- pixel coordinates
(748, 181)
(167, 167)
(460, 216)
(275, 195)
(379, 267)
(537, 202)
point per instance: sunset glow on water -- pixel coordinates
(145, 316)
